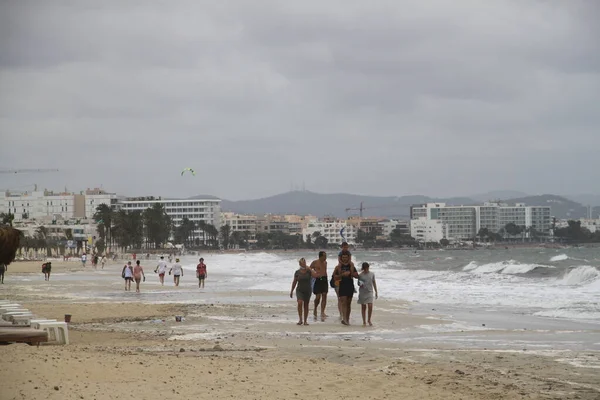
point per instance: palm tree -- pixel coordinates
(41, 239)
(236, 238)
(483, 233)
(157, 225)
(226, 235)
(213, 234)
(104, 218)
(6, 218)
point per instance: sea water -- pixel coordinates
(561, 284)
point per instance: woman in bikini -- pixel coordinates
(138, 274)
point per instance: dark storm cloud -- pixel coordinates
(383, 97)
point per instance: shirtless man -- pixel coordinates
(321, 283)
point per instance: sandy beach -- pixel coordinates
(125, 345)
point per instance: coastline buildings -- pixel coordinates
(47, 204)
(388, 225)
(206, 209)
(426, 231)
(465, 222)
(331, 231)
(241, 223)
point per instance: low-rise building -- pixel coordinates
(389, 225)
(369, 225)
(426, 230)
(241, 223)
(335, 232)
(45, 203)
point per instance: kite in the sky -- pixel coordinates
(188, 169)
(342, 233)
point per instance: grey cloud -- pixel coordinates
(441, 98)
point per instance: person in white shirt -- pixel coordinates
(103, 261)
(177, 270)
(127, 274)
(83, 259)
(161, 268)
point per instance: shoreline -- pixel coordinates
(246, 345)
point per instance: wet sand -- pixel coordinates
(246, 345)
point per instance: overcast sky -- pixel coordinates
(384, 97)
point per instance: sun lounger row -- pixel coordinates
(19, 317)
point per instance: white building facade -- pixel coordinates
(425, 230)
(241, 223)
(388, 226)
(207, 210)
(47, 204)
(464, 222)
(331, 231)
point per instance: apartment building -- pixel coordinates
(241, 223)
(389, 225)
(426, 230)
(206, 209)
(332, 231)
(44, 203)
(464, 222)
(369, 225)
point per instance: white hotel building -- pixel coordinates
(206, 209)
(464, 222)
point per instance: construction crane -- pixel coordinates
(26, 171)
(362, 208)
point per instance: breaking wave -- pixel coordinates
(560, 257)
(580, 275)
(510, 267)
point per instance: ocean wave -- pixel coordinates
(570, 313)
(560, 257)
(510, 267)
(580, 275)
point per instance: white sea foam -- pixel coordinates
(522, 268)
(510, 267)
(571, 313)
(479, 284)
(580, 275)
(560, 257)
(471, 266)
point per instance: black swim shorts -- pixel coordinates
(321, 285)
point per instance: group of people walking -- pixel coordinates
(136, 273)
(313, 279)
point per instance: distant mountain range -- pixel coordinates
(344, 204)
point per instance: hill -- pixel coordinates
(586, 199)
(497, 194)
(562, 208)
(335, 204)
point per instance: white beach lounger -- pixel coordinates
(9, 316)
(29, 319)
(14, 311)
(58, 332)
(9, 307)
